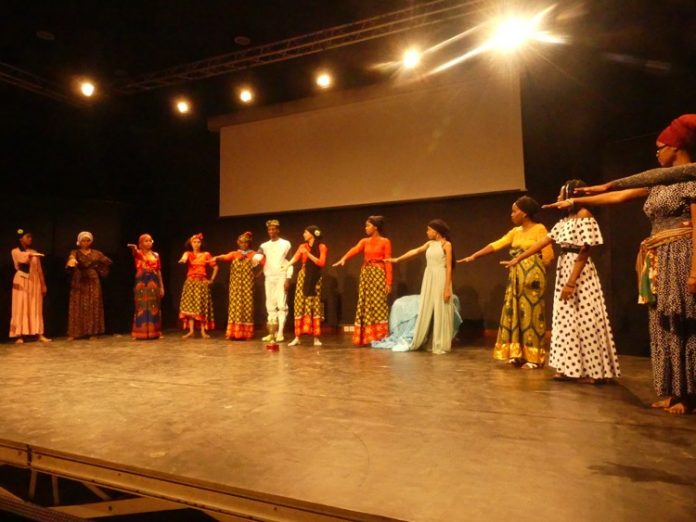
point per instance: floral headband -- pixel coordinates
(246, 236)
(197, 236)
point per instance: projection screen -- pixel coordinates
(372, 146)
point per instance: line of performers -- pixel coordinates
(582, 346)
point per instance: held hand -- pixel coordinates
(594, 189)
(210, 281)
(559, 204)
(387, 289)
(447, 295)
(36, 254)
(691, 284)
(340, 262)
(287, 285)
(467, 259)
(567, 292)
(132, 246)
(183, 258)
(72, 262)
(391, 260)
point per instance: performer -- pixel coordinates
(277, 275)
(148, 291)
(372, 314)
(522, 332)
(240, 317)
(28, 291)
(436, 289)
(308, 307)
(582, 345)
(666, 263)
(86, 309)
(196, 305)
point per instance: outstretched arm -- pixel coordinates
(610, 198)
(408, 255)
(536, 247)
(488, 249)
(447, 294)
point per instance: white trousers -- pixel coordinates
(276, 301)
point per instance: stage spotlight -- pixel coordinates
(512, 34)
(183, 106)
(87, 89)
(411, 58)
(324, 80)
(246, 96)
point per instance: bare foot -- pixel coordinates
(19, 340)
(678, 408)
(663, 403)
(205, 335)
(186, 336)
(558, 376)
(587, 380)
(529, 366)
(45, 339)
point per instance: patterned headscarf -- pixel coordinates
(272, 223)
(246, 236)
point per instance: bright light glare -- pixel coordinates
(411, 58)
(87, 89)
(183, 106)
(513, 33)
(324, 80)
(246, 95)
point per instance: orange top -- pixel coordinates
(303, 253)
(197, 264)
(376, 249)
(149, 264)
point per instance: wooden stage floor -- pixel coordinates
(405, 435)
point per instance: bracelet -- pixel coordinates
(572, 202)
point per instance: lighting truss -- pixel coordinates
(33, 83)
(424, 14)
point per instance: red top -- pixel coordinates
(303, 254)
(197, 264)
(376, 249)
(237, 254)
(149, 263)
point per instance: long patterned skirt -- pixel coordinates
(147, 318)
(372, 314)
(196, 304)
(86, 309)
(672, 323)
(240, 318)
(522, 330)
(309, 312)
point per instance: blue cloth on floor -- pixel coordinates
(402, 322)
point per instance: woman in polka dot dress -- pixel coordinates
(582, 345)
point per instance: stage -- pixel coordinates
(406, 436)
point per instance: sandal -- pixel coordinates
(530, 366)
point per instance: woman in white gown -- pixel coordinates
(436, 290)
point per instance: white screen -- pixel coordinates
(371, 146)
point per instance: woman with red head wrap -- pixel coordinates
(666, 263)
(196, 307)
(148, 291)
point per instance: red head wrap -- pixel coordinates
(681, 133)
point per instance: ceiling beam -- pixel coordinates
(33, 83)
(424, 14)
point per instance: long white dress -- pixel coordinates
(27, 295)
(432, 303)
(582, 344)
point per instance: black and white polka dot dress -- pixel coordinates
(582, 344)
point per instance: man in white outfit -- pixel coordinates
(277, 273)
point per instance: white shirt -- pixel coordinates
(276, 254)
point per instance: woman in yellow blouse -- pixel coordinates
(522, 333)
